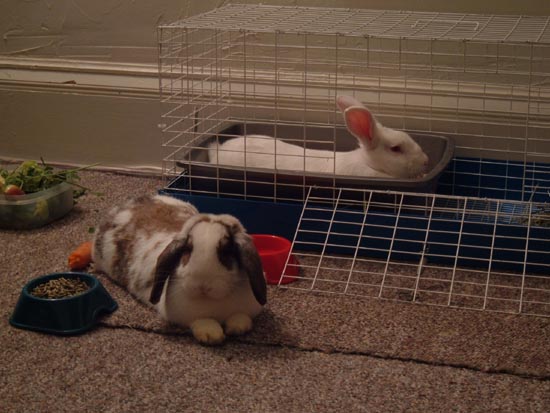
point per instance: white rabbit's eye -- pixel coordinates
(396, 149)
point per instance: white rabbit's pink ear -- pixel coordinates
(359, 120)
(345, 102)
(361, 123)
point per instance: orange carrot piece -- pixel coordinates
(81, 257)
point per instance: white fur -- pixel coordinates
(122, 218)
(373, 158)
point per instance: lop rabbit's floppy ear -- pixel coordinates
(174, 253)
(250, 262)
(359, 121)
(247, 256)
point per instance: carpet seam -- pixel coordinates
(311, 349)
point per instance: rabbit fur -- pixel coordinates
(382, 151)
(197, 270)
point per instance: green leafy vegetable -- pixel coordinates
(32, 176)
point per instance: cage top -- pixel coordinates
(372, 23)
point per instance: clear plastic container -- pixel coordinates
(36, 209)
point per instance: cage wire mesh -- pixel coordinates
(456, 251)
(482, 80)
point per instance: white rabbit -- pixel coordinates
(382, 151)
(197, 270)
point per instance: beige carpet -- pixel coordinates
(307, 352)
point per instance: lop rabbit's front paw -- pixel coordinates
(208, 331)
(238, 324)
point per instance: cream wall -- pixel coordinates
(121, 30)
(78, 78)
(125, 30)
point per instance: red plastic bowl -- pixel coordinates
(274, 252)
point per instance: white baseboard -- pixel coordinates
(77, 76)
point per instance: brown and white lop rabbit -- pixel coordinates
(200, 271)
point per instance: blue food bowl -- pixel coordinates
(65, 316)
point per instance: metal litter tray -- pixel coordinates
(201, 176)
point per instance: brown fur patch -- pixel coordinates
(227, 251)
(105, 226)
(152, 216)
(121, 262)
(148, 216)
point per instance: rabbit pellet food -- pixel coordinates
(60, 288)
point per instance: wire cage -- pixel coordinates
(472, 90)
(457, 251)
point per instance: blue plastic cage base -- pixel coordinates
(259, 217)
(496, 179)
(467, 232)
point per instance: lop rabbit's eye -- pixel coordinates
(227, 251)
(396, 149)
